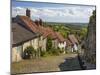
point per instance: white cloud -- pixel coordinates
(18, 11)
(76, 13)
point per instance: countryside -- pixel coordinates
(44, 45)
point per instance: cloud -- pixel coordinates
(18, 11)
(64, 14)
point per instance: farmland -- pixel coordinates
(78, 29)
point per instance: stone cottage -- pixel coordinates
(19, 24)
(61, 41)
(68, 45)
(74, 42)
(52, 35)
(21, 39)
(35, 27)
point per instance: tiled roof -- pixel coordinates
(60, 37)
(37, 28)
(33, 26)
(51, 33)
(28, 22)
(43, 31)
(68, 42)
(73, 39)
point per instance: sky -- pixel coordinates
(52, 12)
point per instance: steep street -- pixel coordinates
(66, 62)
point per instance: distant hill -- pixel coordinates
(78, 24)
(69, 25)
(59, 23)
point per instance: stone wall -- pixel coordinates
(90, 44)
(36, 43)
(16, 55)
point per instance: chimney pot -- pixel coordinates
(28, 13)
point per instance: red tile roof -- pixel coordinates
(51, 33)
(60, 37)
(45, 31)
(33, 26)
(30, 24)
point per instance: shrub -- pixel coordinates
(61, 51)
(28, 52)
(54, 51)
(49, 43)
(43, 53)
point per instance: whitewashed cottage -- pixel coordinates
(21, 39)
(74, 42)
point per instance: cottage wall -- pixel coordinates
(55, 43)
(16, 54)
(75, 47)
(40, 41)
(62, 45)
(35, 43)
(26, 44)
(44, 44)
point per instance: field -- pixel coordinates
(78, 29)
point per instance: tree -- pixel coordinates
(49, 43)
(83, 33)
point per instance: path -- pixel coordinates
(66, 62)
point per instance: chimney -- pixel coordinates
(28, 13)
(40, 22)
(37, 22)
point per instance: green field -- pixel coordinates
(78, 29)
